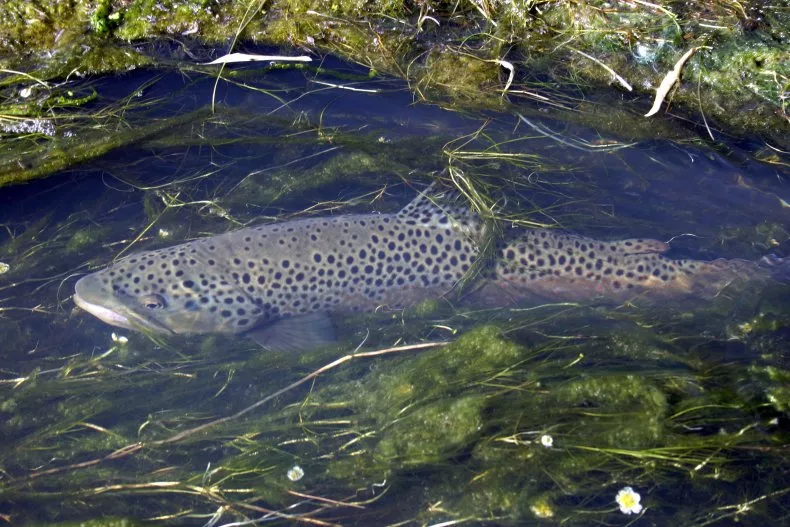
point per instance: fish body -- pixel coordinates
(276, 282)
(279, 283)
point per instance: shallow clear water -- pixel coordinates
(684, 402)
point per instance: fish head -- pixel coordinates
(154, 292)
(139, 312)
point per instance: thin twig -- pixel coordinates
(325, 500)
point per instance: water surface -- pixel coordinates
(685, 402)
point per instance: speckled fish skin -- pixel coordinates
(557, 266)
(252, 277)
(278, 282)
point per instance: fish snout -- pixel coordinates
(90, 295)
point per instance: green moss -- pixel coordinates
(101, 58)
(435, 374)
(745, 80)
(426, 307)
(368, 161)
(432, 433)
(147, 18)
(466, 78)
(86, 238)
(43, 25)
(65, 152)
(104, 20)
(626, 410)
(346, 166)
(481, 350)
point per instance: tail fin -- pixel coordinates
(776, 266)
(709, 278)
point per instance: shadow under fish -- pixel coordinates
(279, 283)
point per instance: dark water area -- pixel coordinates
(531, 415)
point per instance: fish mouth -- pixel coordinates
(132, 320)
(104, 314)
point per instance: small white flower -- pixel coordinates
(119, 339)
(25, 92)
(628, 500)
(4, 267)
(295, 473)
(546, 440)
(163, 233)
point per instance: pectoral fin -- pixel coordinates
(294, 334)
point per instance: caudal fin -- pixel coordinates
(777, 267)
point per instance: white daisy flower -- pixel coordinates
(295, 473)
(628, 500)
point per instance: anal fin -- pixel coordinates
(295, 334)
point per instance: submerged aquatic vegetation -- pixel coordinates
(488, 423)
(504, 416)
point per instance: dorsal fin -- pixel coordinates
(438, 205)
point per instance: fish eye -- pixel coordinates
(153, 301)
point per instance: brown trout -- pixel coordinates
(279, 283)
